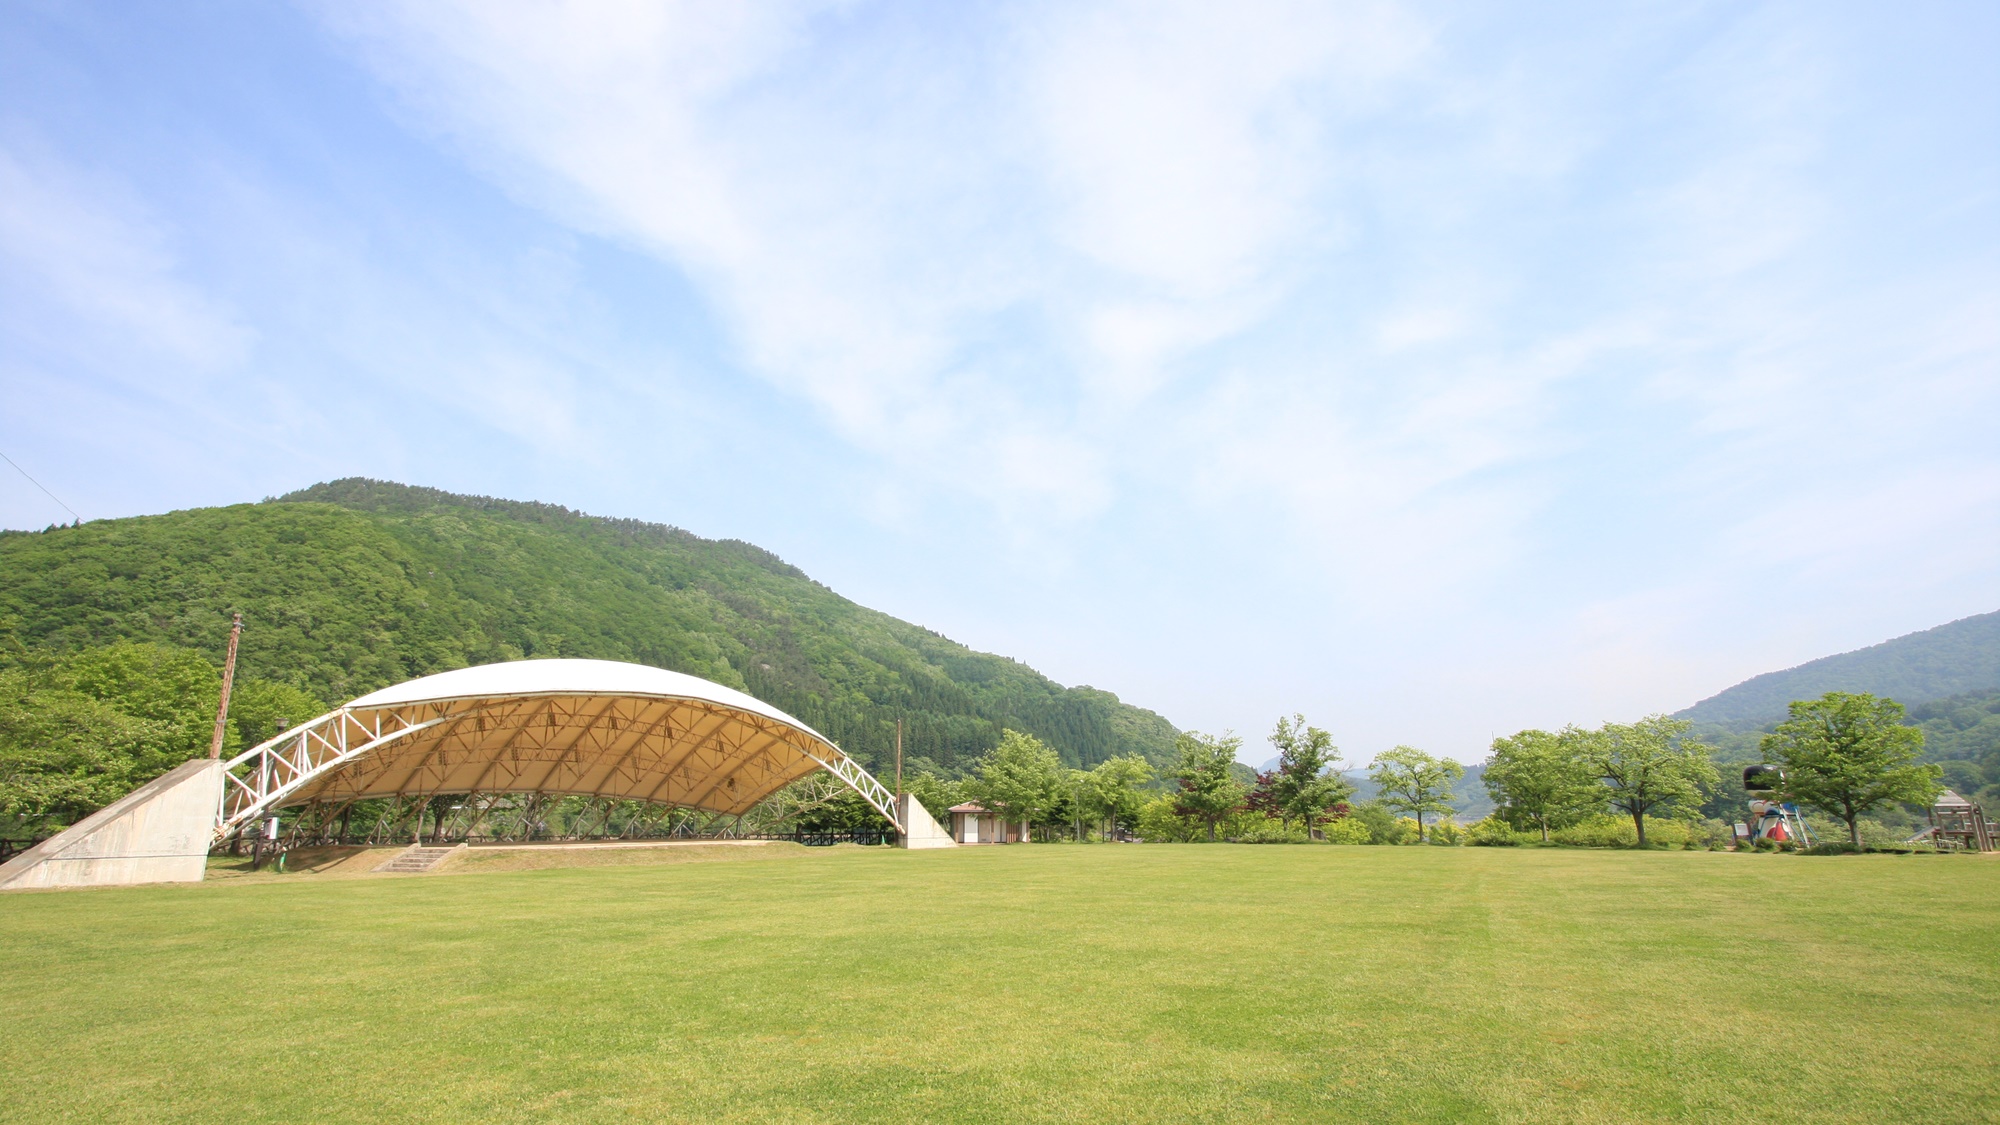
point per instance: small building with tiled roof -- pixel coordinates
(972, 824)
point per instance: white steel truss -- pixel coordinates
(700, 753)
(262, 777)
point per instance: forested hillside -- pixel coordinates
(348, 586)
(1963, 656)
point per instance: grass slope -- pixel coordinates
(1962, 656)
(357, 584)
(1152, 983)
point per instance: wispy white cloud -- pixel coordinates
(1186, 154)
(1134, 182)
(83, 258)
(1377, 345)
(1374, 284)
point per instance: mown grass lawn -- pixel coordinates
(1042, 983)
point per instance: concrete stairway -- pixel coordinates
(416, 859)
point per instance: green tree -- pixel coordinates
(1209, 789)
(1162, 820)
(1415, 782)
(1379, 824)
(260, 709)
(1847, 753)
(64, 755)
(934, 787)
(1112, 793)
(80, 729)
(1306, 783)
(1020, 780)
(818, 802)
(1541, 779)
(1647, 765)
(1073, 805)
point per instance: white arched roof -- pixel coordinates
(568, 676)
(594, 728)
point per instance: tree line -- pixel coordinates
(78, 729)
(1201, 795)
(1844, 755)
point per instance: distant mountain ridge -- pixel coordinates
(1957, 658)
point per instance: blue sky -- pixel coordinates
(1433, 369)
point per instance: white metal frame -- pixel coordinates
(265, 776)
(260, 778)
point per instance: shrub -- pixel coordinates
(1383, 826)
(1712, 834)
(1670, 833)
(1270, 830)
(1347, 830)
(1446, 834)
(1607, 831)
(1875, 834)
(1494, 832)
(1707, 835)
(1160, 822)
(1600, 831)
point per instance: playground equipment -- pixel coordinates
(1777, 821)
(1957, 823)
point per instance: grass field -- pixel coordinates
(1044, 983)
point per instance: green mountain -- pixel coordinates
(1953, 659)
(355, 584)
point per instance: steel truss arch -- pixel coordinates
(260, 779)
(549, 727)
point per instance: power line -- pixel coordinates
(43, 487)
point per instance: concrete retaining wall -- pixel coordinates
(157, 833)
(922, 831)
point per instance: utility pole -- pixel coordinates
(899, 759)
(228, 678)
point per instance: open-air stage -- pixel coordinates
(591, 728)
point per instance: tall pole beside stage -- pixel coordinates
(228, 678)
(899, 759)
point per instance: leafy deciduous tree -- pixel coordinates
(935, 792)
(1162, 820)
(1542, 779)
(1112, 789)
(1304, 784)
(1020, 779)
(1647, 765)
(1415, 782)
(78, 730)
(1209, 790)
(1379, 825)
(1846, 753)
